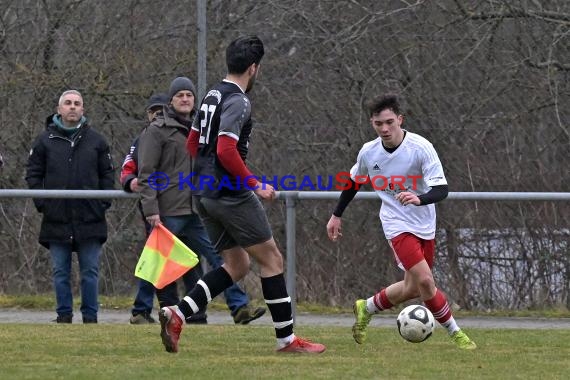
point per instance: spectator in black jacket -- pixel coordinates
(69, 154)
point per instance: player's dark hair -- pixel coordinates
(242, 53)
(384, 102)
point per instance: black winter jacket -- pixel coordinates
(82, 163)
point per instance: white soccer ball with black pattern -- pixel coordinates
(415, 323)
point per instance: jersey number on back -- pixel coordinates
(206, 122)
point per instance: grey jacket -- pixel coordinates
(162, 148)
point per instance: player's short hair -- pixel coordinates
(384, 102)
(242, 53)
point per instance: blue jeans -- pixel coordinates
(144, 299)
(88, 253)
(190, 230)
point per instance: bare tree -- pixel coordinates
(487, 82)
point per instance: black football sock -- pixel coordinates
(207, 288)
(279, 304)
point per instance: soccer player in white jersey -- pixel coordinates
(407, 175)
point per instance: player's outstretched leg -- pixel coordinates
(362, 320)
(462, 341)
(170, 327)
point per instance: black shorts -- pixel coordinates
(237, 220)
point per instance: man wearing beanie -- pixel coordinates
(162, 148)
(181, 84)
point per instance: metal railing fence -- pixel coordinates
(291, 198)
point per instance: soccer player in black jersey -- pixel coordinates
(227, 200)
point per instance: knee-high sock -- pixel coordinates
(378, 302)
(207, 288)
(441, 311)
(279, 304)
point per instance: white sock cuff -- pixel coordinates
(284, 342)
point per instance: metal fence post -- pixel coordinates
(201, 19)
(291, 240)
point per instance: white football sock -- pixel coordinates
(284, 342)
(371, 306)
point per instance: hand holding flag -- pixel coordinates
(164, 258)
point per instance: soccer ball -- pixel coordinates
(415, 323)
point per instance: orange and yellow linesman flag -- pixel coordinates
(164, 258)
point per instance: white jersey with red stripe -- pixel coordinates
(414, 166)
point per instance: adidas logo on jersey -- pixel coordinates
(376, 167)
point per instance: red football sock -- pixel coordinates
(381, 300)
(439, 307)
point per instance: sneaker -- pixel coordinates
(303, 346)
(170, 328)
(362, 320)
(246, 314)
(141, 319)
(462, 341)
(63, 318)
(89, 319)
